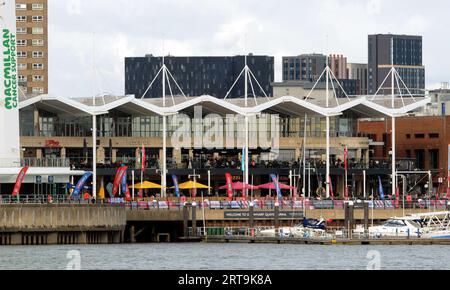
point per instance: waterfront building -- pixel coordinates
(305, 67)
(57, 131)
(338, 65)
(198, 75)
(32, 45)
(358, 71)
(424, 144)
(402, 52)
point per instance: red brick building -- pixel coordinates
(422, 139)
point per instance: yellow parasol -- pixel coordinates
(192, 185)
(147, 185)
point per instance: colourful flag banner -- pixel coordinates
(277, 186)
(243, 159)
(125, 188)
(19, 181)
(143, 159)
(78, 188)
(175, 184)
(118, 178)
(229, 180)
(380, 188)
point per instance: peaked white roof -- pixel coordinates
(288, 105)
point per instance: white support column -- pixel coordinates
(327, 177)
(246, 74)
(364, 184)
(393, 135)
(94, 154)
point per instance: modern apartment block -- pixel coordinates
(199, 75)
(403, 52)
(32, 45)
(338, 65)
(358, 71)
(305, 67)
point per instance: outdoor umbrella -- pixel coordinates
(147, 185)
(192, 185)
(272, 186)
(240, 186)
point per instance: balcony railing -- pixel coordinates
(35, 162)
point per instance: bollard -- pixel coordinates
(351, 213)
(366, 215)
(346, 218)
(194, 219)
(251, 221)
(276, 219)
(185, 220)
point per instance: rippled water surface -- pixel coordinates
(224, 256)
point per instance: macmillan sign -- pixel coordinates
(9, 69)
(9, 87)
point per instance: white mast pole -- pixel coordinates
(304, 158)
(164, 155)
(94, 130)
(327, 182)
(246, 181)
(393, 133)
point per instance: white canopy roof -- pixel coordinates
(287, 105)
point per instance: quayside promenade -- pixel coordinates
(36, 221)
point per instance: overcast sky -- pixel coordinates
(114, 29)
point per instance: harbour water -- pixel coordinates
(224, 256)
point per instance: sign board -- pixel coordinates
(51, 179)
(9, 88)
(263, 214)
(38, 179)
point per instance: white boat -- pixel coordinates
(398, 227)
(309, 229)
(433, 225)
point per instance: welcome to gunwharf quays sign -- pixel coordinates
(9, 101)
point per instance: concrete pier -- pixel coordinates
(61, 224)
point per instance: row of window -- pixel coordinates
(24, 54)
(34, 90)
(34, 30)
(34, 42)
(36, 78)
(34, 6)
(34, 18)
(422, 136)
(35, 66)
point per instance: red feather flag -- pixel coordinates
(19, 181)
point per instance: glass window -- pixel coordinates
(21, 6)
(38, 90)
(38, 54)
(38, 18)
(38, 78)
(38, 30)
(38, 42)
(38, 66)
(38, 6)
(22, 42)
(21, 18)
(21, 30)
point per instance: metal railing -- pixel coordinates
(286, 205)
(45, 162)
